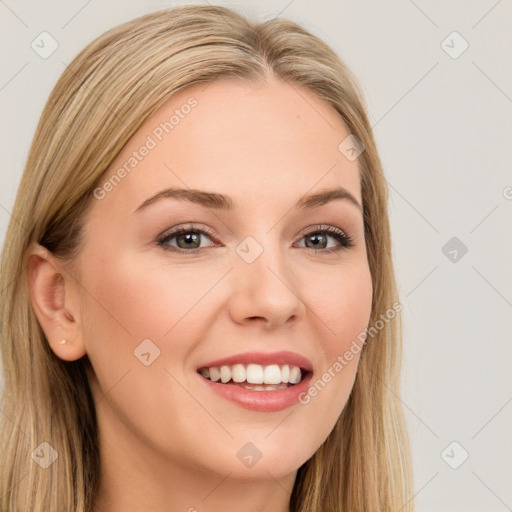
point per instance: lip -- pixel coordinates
(261, 401)
(263, 358)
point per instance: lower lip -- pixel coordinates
(262, 401)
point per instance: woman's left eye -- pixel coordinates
(319, 239)
(189, 239)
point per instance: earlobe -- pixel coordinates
(50, 288)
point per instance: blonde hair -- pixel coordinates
(99, 102)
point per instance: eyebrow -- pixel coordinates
(223, 202)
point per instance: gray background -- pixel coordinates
(442, 123)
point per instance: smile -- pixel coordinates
(255, 376)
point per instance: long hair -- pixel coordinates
(110, 88)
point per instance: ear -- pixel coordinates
(54, 297)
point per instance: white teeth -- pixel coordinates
(259, 387)
(225, 374)
(272, 374)
(285, 373)
(294, 375)
(214, 374)
(238, 373)
(255, 375)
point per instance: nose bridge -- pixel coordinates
(259, 253)
(264, 282)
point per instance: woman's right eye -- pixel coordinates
(187, 240)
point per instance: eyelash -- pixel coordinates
(345, 240)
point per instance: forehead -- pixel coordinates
(272, 139)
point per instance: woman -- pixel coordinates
(199, 309)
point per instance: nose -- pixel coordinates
(266, 291)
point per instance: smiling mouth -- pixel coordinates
(255, 377)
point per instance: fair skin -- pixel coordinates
(167, 442)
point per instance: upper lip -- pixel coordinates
(263, 358)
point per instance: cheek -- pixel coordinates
(342, 302)
(343, 306)
(136, 301)
(133, 300)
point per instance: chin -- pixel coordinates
(262, 458)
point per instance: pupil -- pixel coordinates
(315, 237)
(190, 238)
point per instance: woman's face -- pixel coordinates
(255, 285)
